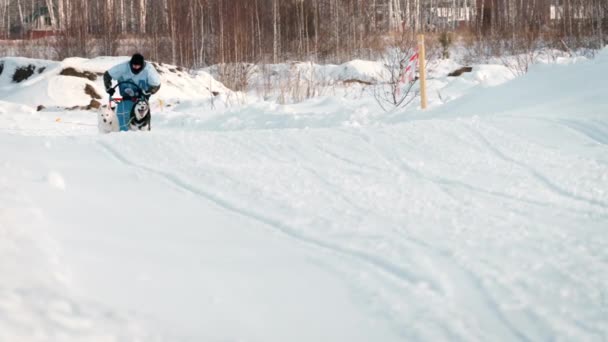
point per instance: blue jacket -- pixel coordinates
(145, 79)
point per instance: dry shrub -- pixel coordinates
(235, 76)
(392, 93)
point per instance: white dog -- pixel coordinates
(107, 121)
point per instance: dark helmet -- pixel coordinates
(137, 59)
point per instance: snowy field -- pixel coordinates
(482, 219)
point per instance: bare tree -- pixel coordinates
(193, 33)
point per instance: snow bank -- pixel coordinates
(10, 107)
(488, 90)
(564, 90)
(47, 86)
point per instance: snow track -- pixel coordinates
(391, 241)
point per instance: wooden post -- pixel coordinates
(422, 69)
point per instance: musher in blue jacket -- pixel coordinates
(140, 73)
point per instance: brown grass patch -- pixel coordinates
(75, 73)
(94, 105)
(89, 90)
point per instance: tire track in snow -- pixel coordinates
(473, 284)
(376, 263)
(334, 189)
(444, 184)
(537, 175)
(436, 256)
(591, 131)
(346, 160)
(395, 160)
(371, 260)
(328, 185)
(440, 287)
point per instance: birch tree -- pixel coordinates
(4, 22)
(142, 16)
(276, 45)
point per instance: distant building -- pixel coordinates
(39, 24)
(444, 14)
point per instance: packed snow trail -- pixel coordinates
(329, 234)
(147, 246)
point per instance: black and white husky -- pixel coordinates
(140, 116)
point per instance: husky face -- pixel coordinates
(141, 110)
(140, 116)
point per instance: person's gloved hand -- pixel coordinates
(110, 91)
(146, 94)
(129, 92)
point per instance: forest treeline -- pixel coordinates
(195, 33)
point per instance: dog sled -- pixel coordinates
(130, 112)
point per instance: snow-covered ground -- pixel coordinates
(483, 219)
(51, 84)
